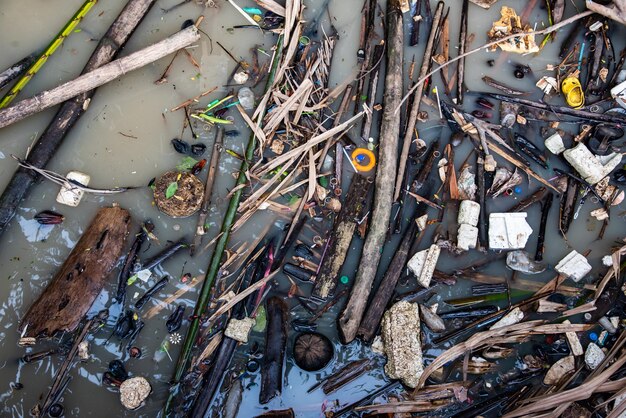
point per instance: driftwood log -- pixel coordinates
(98, 77)
(276, 338)
(70, 112)
(341, 237)
(385, 173)
(80, 279)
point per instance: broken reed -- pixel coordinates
(220, 246)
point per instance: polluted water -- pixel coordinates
(294, 208)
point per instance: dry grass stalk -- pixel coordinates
(272, 6)
(242, 295)
(505, 335)
(162, 304)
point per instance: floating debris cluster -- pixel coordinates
(426, 182)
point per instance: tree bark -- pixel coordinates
(341, 237)
(98, 77)
(70, 112)
(387, 166)
(276, 338)
(80, 279)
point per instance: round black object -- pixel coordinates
(198, 149)
(252, 366)
(117, 369)
(518, 73)
(56, 410)
(312, 351)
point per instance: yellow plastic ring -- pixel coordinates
(366, 153)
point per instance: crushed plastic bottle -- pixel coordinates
(246, 98)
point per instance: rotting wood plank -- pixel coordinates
(75, 286)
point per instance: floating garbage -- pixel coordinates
(70, 195)
(134, 391)
(395, 221)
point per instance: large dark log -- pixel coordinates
(385, 173)
(273, 359)
(80, 279)
(70, 112)
(341, 237)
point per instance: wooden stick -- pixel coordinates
(352, 314)
(70, 112)
(372, 89)
(417, 99)
(208, 189)
(98, 77)
(15, 70)
(460, 69)
(59, 378)
(193, 100)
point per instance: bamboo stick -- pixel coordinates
(70, 112)
(216, 259)
(98, 77)
(54, 45)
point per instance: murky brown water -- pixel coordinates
(100, 145)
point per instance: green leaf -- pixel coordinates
(261, 319)
(132, 279)
(186, 163)
(324, 181)
(171, 190)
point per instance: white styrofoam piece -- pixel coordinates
(591, 167)
(619, 94)
(554, 144)
(508, 231)
(593, 356)
(144, 275)
(70, 195)
(239, 329)
(469, 212)
(574, 265)
(609, 162)
(423, 263)
(467, 237)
